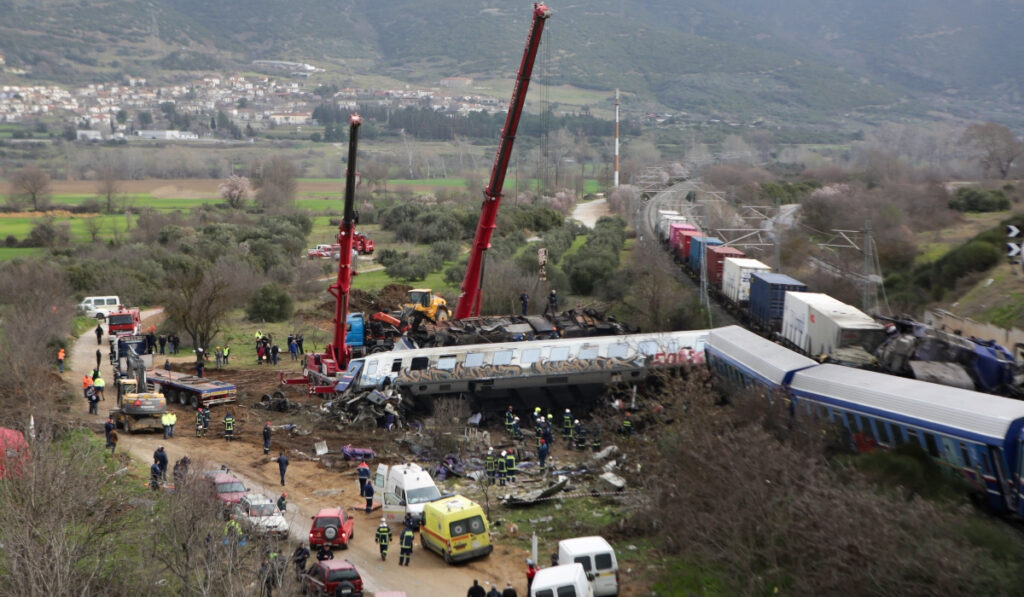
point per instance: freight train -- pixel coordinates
(974, 436)
(780, 307)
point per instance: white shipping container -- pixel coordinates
(736, 273)
(838, 325)
(819, 324)
(796, 314)
(665, 222)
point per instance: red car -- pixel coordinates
(332, 527)
(333, 578)
(228, 488)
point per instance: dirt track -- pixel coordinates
(310, 486)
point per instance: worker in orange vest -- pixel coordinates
(60, 359)
(86, 384)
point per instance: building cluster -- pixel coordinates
(257, 102)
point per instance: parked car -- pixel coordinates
(332, 527)
(333, 578)
(259, 514)
(228, 488)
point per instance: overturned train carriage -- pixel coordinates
(563, 373)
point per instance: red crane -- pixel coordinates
(472, 283)
(321, 370)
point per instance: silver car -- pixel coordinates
(259, 514)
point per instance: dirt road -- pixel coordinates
(309, 487)
(588, 213)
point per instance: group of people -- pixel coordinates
(168, 342)
(551, 308)
(501, 468)
(478, 591)
(92, 389)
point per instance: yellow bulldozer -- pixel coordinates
(430, 305)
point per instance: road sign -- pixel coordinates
(1012, 231)
(1013, 249)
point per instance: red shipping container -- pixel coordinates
(673, 236)
(685, 236)
(715, 258)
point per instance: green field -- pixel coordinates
(8, 253)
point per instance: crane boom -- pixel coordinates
(472, 283)
(338, 350)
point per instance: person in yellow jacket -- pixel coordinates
(172, 420)
(99, 384)
(165, 421)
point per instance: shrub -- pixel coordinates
(270, 303)
(979, 200)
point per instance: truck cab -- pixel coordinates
(124, 320)
(406, 489)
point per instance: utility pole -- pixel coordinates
(868, 299)
(616, 182)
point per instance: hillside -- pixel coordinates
(790, 61)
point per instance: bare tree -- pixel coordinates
(200, 295)
(275, 183)
(30, 185)
(654, 300)
(108, 186)
(93, 227)
(996, 145)
(236, 190)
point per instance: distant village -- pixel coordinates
(254, 102)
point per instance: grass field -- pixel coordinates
(8, 253)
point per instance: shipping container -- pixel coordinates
(716, 260)
(820, 325)
(674, 237)
(697, 248)
(664, 225)
(685, 240)
(736, 273)
(767, 297)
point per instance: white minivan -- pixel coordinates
(404, 488)
(568, 580)
(99, 306)
(597, 557)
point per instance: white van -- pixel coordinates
(598, 560)
(405, 488)
(568, 580)
(99, 306)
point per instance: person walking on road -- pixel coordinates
(494, 592)
(94, 400)
(266, 439)
(368, 494)
(406, 547)
(363, 470)
(476, 590)
(383, 538)
(282, 465)
(99, 358)
(229, 427)
(99, 333)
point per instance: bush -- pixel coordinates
(270, 303)
(979, 200)
(447, 250)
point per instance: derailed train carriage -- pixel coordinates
(978, 437)
(556, 374)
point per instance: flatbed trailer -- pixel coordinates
(191, 390)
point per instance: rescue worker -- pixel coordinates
(154, 475)
(368, 494)
(266, 438)
(233, 533)
(174, 421)
(108, 426)
(489, 465)
(94, 400)
(324, 553)
(363, 471)
(60, 360)
(542, 454)
(299, 558)
(538, 429)
(517, 433)
(552, 306)
(536, 413)
(595, 438)
(86, 384)
(161, 458)
(510, 466)
(567, 424)
(282, 465)
(199, 421)
(579, 436)
(502, 468)
(282, 502)
(509, 415)
(206, 419)
(549, 430)
(408, 521)
(227, 354)
(383, 538)
(165, 422)
(627, 426)
(406, 547)
(229, 426)
(99, 333)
